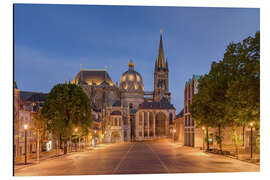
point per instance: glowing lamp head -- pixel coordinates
(95, 131)
(251, 124)
(25, 126)
(203, 128)
(76, 129)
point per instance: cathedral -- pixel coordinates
(124, 111)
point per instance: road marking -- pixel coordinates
(162, 163)
(123, 158)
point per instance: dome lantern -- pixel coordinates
(131, 64)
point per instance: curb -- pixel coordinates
(232, 157)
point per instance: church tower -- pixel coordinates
(161, 75)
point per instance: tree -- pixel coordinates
(67, 107)
(200, 109)
(229, 95)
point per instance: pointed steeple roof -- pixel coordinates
(160, 62)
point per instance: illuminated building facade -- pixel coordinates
(126, 112)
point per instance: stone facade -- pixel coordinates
(124, 112)
(26, 104)
(179, 127)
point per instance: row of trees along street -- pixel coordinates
(66, 114)
(229, 95)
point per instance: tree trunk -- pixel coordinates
(70, 144)
(235, 140)
(219, 134)
(243, 135)
(37, 145)
(65, 146)
(207, 137)
(61, 141)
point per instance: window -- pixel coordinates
(171, 118)
(131, 77)
(140, 118)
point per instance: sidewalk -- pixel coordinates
(243, 156)
(19, 164)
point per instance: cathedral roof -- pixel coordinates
(162, 104)
(93, 76)
(32, 96)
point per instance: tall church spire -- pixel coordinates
(161, 75)
(161, 59)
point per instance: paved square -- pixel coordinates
(137, 158)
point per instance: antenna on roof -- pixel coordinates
(80, 66)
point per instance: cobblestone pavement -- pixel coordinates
(137, 158)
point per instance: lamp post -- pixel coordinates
(203, 128)
(25, 143)
(95, 137)
(251, 138)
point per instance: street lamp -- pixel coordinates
(203, 128)
(25, 143)
(251, 143)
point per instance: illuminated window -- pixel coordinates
(123, 78)
(136, 86)
(138, 78)
(131, 77)
(126, 86)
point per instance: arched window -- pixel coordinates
(171, 118)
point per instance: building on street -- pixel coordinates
(126, 111)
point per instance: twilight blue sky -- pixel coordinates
(52, 40)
